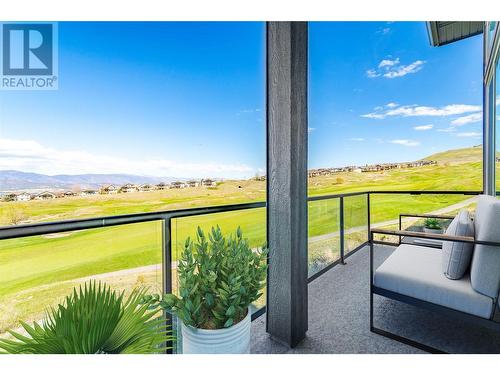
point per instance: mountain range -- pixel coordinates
(17, 180)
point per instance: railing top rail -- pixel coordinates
(410, 192)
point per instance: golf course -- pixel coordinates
(36, 272)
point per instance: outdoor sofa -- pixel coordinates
(420, 274)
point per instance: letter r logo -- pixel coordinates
(27, 49)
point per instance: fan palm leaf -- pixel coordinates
(94, 319)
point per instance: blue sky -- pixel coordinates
(380, 92)
(188, 99)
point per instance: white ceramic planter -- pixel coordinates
(433, 231)
(232, 340)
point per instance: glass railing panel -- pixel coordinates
(324, 234)
(355, 222)
(253, 225)
(251, 221)
(386, 208)
(38, 272)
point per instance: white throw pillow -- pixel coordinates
(457, 256)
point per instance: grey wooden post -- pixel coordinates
(287, 181)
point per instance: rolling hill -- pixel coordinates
(458, 156)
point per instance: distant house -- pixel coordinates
(193, 183)
(87, 192)
(146, 187)
(128, 188)
(109, 189)
(208, 182)
(23, 197)
(178, 185)
(69, 193)
(161, 186)
(45, 195)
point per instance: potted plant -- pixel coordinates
(219, 278)
(94, 320)
(432, 225)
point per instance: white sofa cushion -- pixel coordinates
(485, 266)
(415, 271)
(457, 255)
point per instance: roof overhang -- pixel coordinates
(445, 32)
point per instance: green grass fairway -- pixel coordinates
(29, 264)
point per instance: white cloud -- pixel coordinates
(423, 127)
(31, 156)
(372, 73)
(391, 105)
(416, 110)
(447, 130)
(388, 62)
(469, 134)
(244, 111)
(403, 70)
(374, 115)
(310, 130)
(405, 142)
(384, 31)
(469, 119)
(391, 68)
(357, 139)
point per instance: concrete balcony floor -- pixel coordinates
(339, 319)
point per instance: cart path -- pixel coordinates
(125, 272)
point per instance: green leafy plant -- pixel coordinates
(219, 278)
(432, 223)
(93, 320)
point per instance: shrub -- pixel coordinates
(16, 216)
(94, 320)
(218, 279)
(318, 261)
(431, 223)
